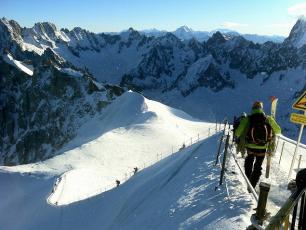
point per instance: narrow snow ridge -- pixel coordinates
(132, 132)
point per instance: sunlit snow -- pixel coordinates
(173, 189)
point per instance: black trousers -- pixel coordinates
(253, 170)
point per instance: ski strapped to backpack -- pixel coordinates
(272, 144)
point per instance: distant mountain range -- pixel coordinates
(186, 33)
(53, 80)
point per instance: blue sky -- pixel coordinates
(246, 16)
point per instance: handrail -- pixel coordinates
(282, 214)
(291, 141)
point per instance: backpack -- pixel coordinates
(236, 123)
(259, 131)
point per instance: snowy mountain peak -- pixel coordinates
(9, 28)
(78, 33)
(78, 30)
(184, 33)
(224, 31)
(130, 34)
(4, 21)
(47, 30)
(216, 38)
(297, 36)
(169, 38)
(134, 34)
(45, 27)
(184, 29)
(302, 18)
(44, 33)
(131, 29)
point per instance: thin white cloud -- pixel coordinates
(233, 25)
(297, 10)
(284, 25)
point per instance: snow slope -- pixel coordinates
(76, 190)
(176, 193)
(108, 65)
(28, 69)
(132, 132)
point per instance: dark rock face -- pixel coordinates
(297, 36)
(235, 53)
(213, 79)
(41, 113)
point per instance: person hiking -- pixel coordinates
(237, 121)
(240, 148)
(257, 131)
(183, 146)
(135, 170)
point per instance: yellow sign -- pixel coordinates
(301, 102)
(298, 118)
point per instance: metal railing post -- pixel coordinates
(286, 222)
(294, 215)
(300, 159)
(302, 217)
(224, 160)
(219, 149)
(277, 143)
(277, 220)
(281, 152)
(262, 202)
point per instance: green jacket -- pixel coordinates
(243, 128)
